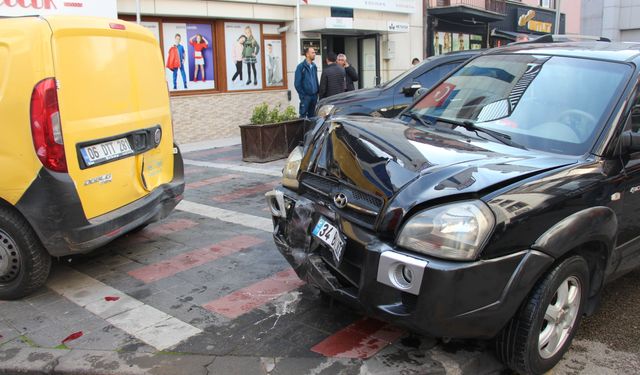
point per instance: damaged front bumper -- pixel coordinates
(441, 298)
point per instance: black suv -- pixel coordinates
(497, 205)
(394, 96)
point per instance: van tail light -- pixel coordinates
(117, 26)
(46, 128)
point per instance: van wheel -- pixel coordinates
(24, 263)
(542, 330)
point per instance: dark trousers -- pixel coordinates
(308, 106)
(251, 66)
(238, 71)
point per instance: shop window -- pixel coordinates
(445, 42)
(213, 56)
(273, 63)
(188, 54)
(244, 60)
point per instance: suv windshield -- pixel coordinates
(556, 104)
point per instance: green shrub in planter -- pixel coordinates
(272, 134)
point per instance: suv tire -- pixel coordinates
(550, 315)
(24, 263)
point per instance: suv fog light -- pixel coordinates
(275, 201)
(401, 276)
(407, 274)
(401, 272)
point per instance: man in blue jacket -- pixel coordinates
(306, 83)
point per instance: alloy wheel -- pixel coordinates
(560, 317)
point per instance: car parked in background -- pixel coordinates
(87, 151)
(496, 206)
(394, 96)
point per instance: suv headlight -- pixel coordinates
(452, 231)
(291, 168)
(325, 110)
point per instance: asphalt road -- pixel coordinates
(205, 291)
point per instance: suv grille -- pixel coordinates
(362, 208)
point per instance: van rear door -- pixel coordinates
(114, 110)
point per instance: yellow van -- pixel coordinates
(86, 141)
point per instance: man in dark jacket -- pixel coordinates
(333, 79)
(352, 75)
(306, 83)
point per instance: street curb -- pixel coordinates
(205, 145)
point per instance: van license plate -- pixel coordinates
(106, 151)
(331, 236)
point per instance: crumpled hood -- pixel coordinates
(384, 156)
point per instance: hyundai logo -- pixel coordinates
(340, 200)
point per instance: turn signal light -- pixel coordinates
(46, 128)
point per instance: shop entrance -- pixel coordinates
(363, 52)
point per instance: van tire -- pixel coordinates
(34, 261)
(517, 343)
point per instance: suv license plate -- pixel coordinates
(106, 151)
(331, 236)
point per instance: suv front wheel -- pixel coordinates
(541, 331)
(24, 263)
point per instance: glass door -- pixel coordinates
(369, 61)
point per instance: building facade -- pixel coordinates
(250, 51)
(618, 20)
(454, 25)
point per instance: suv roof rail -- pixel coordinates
(556, 38)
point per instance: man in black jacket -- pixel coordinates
(333, 79)
(352, 74)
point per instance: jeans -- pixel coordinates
(175, 77)
(308, 106)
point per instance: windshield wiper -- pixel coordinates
(419, 118)
(470, 126)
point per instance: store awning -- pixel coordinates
(465, 14)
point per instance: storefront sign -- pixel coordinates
(100, 8)
(534, 21)
(397, 6)
(398, 27)
(338, 23)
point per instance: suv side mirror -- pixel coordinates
(410, 90)
(630, 141)
(419, 92)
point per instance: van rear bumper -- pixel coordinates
(53, 208)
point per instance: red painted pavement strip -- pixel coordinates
(246, 299)
(262, 188)
(170, 227)
(362, 339)
(211, 181)
(191, 259)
